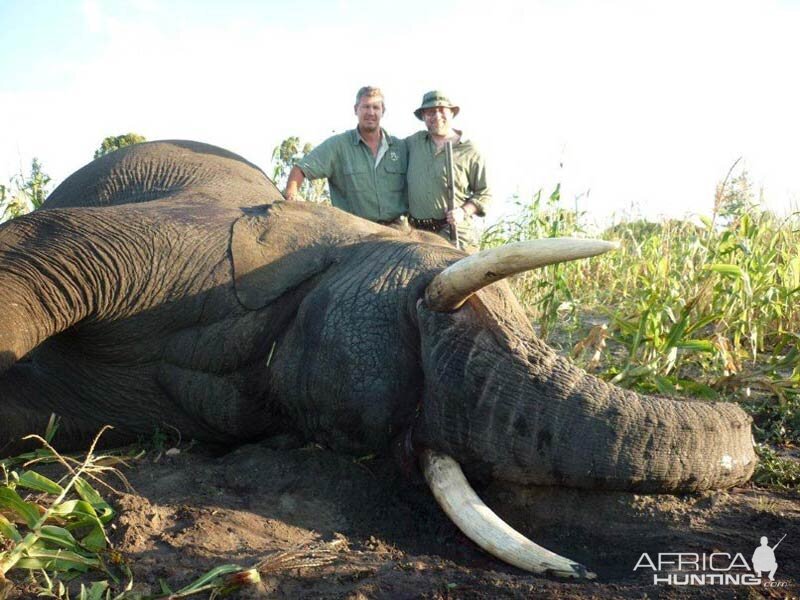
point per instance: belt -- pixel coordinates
(396, 221)
(427, 224)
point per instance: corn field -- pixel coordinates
(705, 309)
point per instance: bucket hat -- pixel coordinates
(435, 99)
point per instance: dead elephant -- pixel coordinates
(169, 283)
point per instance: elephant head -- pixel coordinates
(169, 283)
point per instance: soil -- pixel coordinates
(322, 525)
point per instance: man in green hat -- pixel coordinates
(365, 167)
(427, 176)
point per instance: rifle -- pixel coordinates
(451, 187)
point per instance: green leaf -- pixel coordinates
(95, 540)
(34, 481)
(207, 578)
(104, 510)
(58, 535)
(697, 345)
(59, 560)
(76, 509)
(676, 332)
(97, 591)
(702, 322)
(8, 530)
(165, 589)
(79, 513)
(11, 500)
(726, 269)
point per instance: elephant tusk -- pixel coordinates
(455, 284)
(480, 524)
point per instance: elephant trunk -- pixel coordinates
(522, 413)
(51, 277)
(29, 312)
(20, 331)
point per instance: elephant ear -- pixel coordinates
(276, 248)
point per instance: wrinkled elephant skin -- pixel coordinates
(168, 284)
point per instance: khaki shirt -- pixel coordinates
(427, 178)
(371, 187)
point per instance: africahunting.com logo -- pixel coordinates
(715, 568)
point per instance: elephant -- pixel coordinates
(170, 283)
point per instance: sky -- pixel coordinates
(637, 108)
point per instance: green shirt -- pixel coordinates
(371, 187)
(427, 178)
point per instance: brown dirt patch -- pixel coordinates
(386, 537)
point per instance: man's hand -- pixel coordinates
(293, 183)
(457, 215)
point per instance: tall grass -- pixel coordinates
(705, 308)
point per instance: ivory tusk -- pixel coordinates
(480, 524)
(455, 284)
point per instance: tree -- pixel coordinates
(288, 154)
(24, 192)
(735, 196)
(115, 142)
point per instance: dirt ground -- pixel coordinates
(360, 529)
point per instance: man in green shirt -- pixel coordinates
(365, 167)
(427, 177)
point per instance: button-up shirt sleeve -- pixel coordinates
(480, 194)
(321, 161)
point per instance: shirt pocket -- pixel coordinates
(356, 177)
(394, 172)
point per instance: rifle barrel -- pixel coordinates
(451, 187)
(779, 541)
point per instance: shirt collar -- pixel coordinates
(356, 137)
